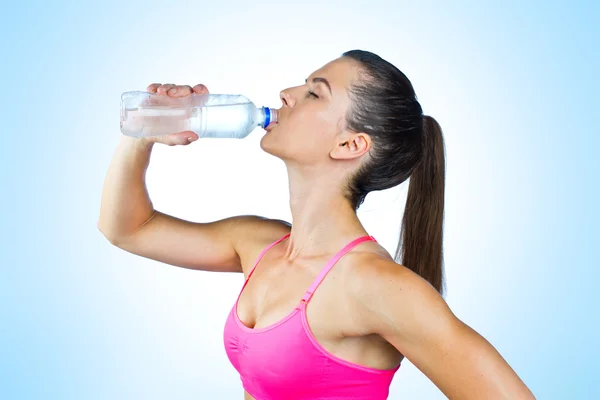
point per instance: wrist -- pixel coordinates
(145, 143)
(137, 143)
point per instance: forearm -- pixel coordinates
(126, 205)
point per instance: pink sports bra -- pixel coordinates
(285, 361)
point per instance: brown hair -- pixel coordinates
(406, 144)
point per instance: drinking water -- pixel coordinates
(208, 115)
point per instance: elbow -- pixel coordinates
(113, 239)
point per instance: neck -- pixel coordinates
(322, 219)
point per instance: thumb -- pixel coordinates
(183, 138)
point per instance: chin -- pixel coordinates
(274, 145)
(266, 143)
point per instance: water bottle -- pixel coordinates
(208, 115)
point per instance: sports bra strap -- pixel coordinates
(262, 253)
(331, 263)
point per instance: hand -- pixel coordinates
(168, 89)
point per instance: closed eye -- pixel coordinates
(313, 94)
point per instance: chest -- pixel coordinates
(329, 321)
(275, 290)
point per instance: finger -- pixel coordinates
(200, 89)
(180, 91)
(163, 89)
(152, 87)
(184, 138)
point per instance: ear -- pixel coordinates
(350, 145)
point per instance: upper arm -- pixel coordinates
(212, 246)
(411, 315)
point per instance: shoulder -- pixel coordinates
(252, 233)
(389, 296)
(260, 226)
(376, 273)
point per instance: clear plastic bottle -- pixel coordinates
(208, 115)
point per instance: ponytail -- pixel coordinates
(421, 233)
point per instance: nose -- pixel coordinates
(287, 99)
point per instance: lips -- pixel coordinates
(276, 118)
(271, 126)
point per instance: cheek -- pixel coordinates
(311, 121)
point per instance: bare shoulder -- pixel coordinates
(374, 272)
(380, 288)
(253, 233)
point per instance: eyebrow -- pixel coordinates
(321, 80)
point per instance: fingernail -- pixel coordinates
(192, 139)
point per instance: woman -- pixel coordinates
(328, 313)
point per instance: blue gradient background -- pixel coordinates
(514, 85)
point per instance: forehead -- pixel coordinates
(340, 73)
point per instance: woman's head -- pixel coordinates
(312, 123)
(356, 124)
(358, 113)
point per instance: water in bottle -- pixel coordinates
(208, 115)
